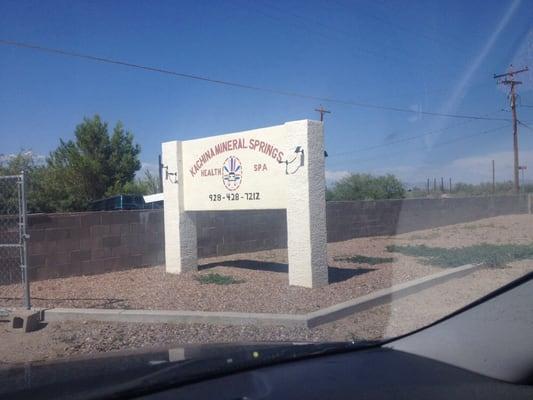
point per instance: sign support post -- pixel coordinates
(181, 254)
(306, 206)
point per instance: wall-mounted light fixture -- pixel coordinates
(300, 150)
(170, 176)
(297, 150)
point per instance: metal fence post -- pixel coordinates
(13, 235)
(24, 240)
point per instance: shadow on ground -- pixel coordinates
(7, 328)
(40, 326)
(335, 274)
(359, 259)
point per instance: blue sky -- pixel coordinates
(431, 56)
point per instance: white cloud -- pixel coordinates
(472, 169)
(38, 158)
(146, 166)
(333, 176)
(478, 168)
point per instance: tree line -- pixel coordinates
(462, 189)
(371, 187)
(97, 163)
(366, 187)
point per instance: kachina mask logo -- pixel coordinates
(232, 173)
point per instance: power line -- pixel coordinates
(435, 90)
(424, 148)
(525, 125)
(328, 28)
(324, 35)
(237, 84)
(398, 141)
(334, 28)
(417, 33)
(380, 157)
(407, 139)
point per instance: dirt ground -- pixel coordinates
(264, 276)
(265, 289)
(83, 338)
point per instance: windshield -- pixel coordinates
(238, 171)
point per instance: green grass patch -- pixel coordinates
(427, 236)
(492, 255)
(217, 279)
(478, 226)
(366, 260)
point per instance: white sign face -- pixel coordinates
(237, 171)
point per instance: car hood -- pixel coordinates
(134, 372)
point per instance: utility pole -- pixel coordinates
(322, 111)
(522, 168)
(450, 185)
(160, 170)
(493, 178)
(509, 80)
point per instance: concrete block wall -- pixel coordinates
(230, 232)
(95, 242)
(351, 219)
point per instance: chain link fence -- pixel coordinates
(13, 237)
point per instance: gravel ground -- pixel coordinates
(73, 338)
(264, 274)
(265, 289)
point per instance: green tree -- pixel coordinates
(124, 157)
(482, 189)
(34, 177)
(366, 187)
(149, 184)
(92, 166)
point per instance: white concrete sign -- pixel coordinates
(237, 171)
(276, 167)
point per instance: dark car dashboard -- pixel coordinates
(484, 351)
